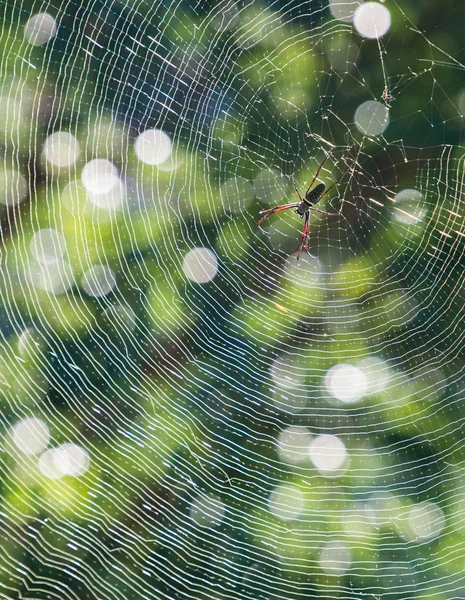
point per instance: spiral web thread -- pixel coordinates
(187, 410)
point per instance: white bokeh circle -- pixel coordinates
(47, 246)
(346, 383)
(286, 502)
(98, 281)
(200, 265)
(328, 453)
(100, 176)
(207, 511)
(31, 435)
(372, 118)
(153, 147)
(372, 20)
(61, 149)
(40, 29)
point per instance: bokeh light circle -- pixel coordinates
(13, 187)
(207, 511)
(328, 453)
(343, 10)
(61, 149)
(346, 383)
(372, 20)
(31, 435)
(200, 265)
(98, 281)
(153, 147)
(48, 246)
(372, 118)
(40, 29)
(100, 176)
(286, 502)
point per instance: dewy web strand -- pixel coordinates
(187, 410)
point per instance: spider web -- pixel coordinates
(187, 410)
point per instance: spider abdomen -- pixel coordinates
(311, 198)
(314, 195)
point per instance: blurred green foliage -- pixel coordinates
(180, 390)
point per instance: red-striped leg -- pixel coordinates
(304, 239)
(323, 212)
(332, 186)
(316, 175)
(270, 211)
(296, 188)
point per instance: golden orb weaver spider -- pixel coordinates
(306, 204)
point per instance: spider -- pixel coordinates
(387, 98)
(304, 207)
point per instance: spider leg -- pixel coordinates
(332, 186)
(323, 212)
(270, 211)
(295, 187)
(304, 239)
(316, 175)
(313, 180)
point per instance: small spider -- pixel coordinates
(304, 207)
(387, 98)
